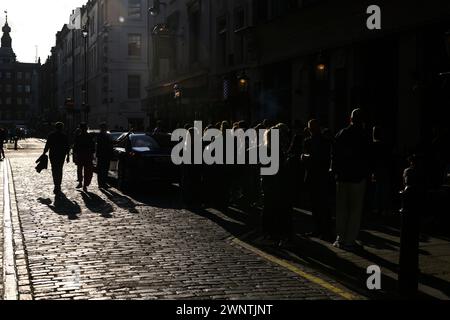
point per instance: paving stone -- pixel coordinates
(147, 249)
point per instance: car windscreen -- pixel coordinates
(116, 136)
(144, 142)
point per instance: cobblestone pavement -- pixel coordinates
(107, 245)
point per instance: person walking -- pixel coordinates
(3, 137)
(59, 148)
(104, 156)
(84, 149)
(317, 159)
(350, 163)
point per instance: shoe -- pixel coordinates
(80, 185)
(85, 189)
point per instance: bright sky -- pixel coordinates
(35, 23)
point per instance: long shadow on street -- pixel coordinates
(62, 206)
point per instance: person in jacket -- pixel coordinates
(351, 168)
(277, 217)
(84, 149)
(317, 159)
(58, 147)
(104, 156)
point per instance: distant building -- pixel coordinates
(19, 85)
(99, 65)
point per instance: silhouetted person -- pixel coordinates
(159, 128)
(84, 149)
(3, 138)
(413, 197)
(381, 167)
(277, 213)
(191, 176)
(317, 158)
(351, 167)
(104, 156)
(59, 148)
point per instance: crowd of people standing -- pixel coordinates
(339, 176)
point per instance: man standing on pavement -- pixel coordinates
(58, 145)
(351, 167)
(84, 149)
(104, 155)
(317, 158)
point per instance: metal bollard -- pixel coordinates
(408, 276)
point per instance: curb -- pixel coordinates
(16, 276)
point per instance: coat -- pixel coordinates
(42, 163)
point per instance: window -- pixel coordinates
(28, 76)
(19, 75)
(134, 9)
(27, 100)
(194, 36)
(8, 100)
(134, 45)
(8, 75)
(222, 41)
(19, 101)
(8, 88)
(91, 26)
(19, 88)
(27, 88)
(134, 87)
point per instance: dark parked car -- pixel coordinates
(139, 157)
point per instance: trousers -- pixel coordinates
(349, 209)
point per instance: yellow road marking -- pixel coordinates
(345, 294)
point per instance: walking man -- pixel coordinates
(317, 158)
(351, 166)
(58, 146)
(3, 137)
(104, 155)
(84, 149)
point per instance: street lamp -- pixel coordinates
(243, 82)
(321, 68)
(156, 9)
(85, 34)
(177, 92)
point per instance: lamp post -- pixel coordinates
(85, 34)
(156, 9)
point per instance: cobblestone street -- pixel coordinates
(107, 245)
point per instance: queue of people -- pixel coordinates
(348, 174)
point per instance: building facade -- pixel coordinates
(293, 60)
(19, 86)
(100, 64)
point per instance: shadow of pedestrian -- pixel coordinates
(96, 204)
(63, 206)
(121, 201)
